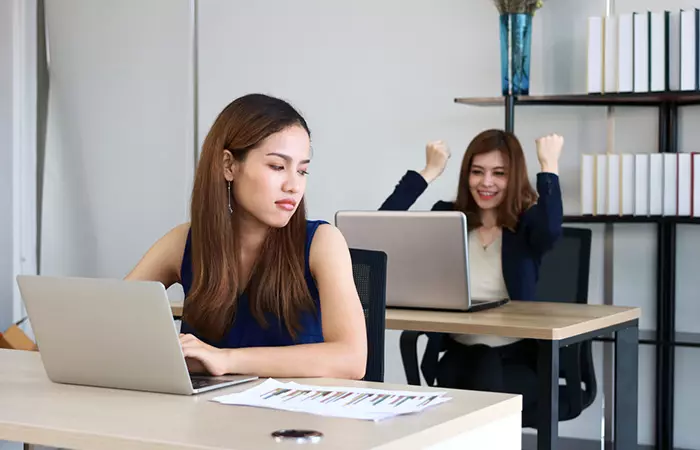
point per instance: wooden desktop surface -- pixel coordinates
(35, 410)
(517, 319)
(534, 320)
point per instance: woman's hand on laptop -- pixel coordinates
(201, 357)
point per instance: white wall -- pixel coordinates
(6, 158)
(17, 152)
(375, 80)
(120, 145)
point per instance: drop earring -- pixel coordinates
(230, 209)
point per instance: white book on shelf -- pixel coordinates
(674, 51)
(695, 182)
(601, 182)
(641, 184)
(656, 184)
(625, 52)
(670, 184)
(658, 53)
(689, 49)
(595, 55)
(641, 52)
(684, 184)
(613, 184)
(610, 54)
(627, 183)
(587, 185)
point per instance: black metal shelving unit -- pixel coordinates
(665, 338)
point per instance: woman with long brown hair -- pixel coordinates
(510, 226)
(267, 292)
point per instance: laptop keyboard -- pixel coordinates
(199, 382)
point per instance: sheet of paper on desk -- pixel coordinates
(352, 403)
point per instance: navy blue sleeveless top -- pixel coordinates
(245, 331)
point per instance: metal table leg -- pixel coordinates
(626, 389)
(548, 405)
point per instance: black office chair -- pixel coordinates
(564, 277)
(369, 272)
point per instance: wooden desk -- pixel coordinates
(34, 410)
(531, 320)
(553, 325)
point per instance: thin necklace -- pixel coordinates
(484, 246)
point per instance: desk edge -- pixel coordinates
(519, 332)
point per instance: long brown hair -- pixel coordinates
(277, 284)
(519, 195)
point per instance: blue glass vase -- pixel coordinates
(516, 37)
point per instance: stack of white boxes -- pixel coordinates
(644, 52)
(656, 184)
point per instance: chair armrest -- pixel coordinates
(429, 364)
(408, 344)
(588, 373)
(570, 370)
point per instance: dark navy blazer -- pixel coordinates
(537, 230)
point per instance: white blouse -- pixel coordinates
(486, 283)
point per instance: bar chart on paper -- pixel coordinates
(352, 403)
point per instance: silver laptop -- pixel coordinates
(427, 256)
(111, 333)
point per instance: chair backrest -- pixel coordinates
(369, 272)
(565, 269)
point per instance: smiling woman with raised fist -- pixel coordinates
(510, 227)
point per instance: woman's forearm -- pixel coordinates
(406, 192)
(550, 167)
(326, 359)
(545, 218)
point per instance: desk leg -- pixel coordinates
(626, 393)
(548, 405)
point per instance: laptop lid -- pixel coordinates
(107, 333)
(427, 257)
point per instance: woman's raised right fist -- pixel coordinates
(436, 155)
